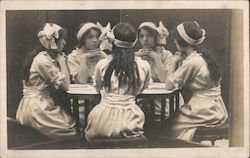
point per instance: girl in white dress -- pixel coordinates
(119, 78)
(83, 59)
(152, 39)
(202, 75)
(44, 69)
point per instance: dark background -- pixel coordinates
(22, 28)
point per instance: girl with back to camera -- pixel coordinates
(202, 75)
(119, 78)
(46, 68)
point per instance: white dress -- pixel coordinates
(206, 107)
(73, 62)
(117, 115)
(37, 109)
(166, 58)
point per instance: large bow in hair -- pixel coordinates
(163, 33)
(106, 37)
(48, 35)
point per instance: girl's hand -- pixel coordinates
(156, 57)
(144, 52)
(178, 57)
(60, 58)
(88, 55)
(148, 58)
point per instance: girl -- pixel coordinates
(119, 78)
(202, 75)
(151, 38)
(83, 59)
(44, 69)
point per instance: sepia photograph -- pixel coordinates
(124, 79)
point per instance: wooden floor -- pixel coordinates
(21, 137)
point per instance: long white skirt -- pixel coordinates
(39, 112)
(206, 110)
(117, 116)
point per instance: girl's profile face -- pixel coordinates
(92, 40)
(147, 39)
(60, 44)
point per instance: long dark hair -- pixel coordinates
(194, 31)
(29, 60)
(123, 63)
(81, 42)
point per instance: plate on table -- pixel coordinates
(156, 85)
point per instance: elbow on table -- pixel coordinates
(64, 87)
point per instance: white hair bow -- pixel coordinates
(163, 33)
(106, 37)
(48, 35)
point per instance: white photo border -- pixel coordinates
(148, 152)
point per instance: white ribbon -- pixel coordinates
(120, 43)
(124, 44)
(184, 35)
(48, 35)
(106, 37)
(163, 33)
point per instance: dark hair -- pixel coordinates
(123, 63)
(150, 30)
(194, 31)
(83, 37)
(28, 61)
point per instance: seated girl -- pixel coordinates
(119, 78)
(202, 75)
(44, 69)
(152, 39)
(83, 59)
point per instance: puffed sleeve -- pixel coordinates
(73, 63)
(186, 72)
(145, 73)
(48, 70)
(167, 58)
(98, 74)
(103, 55)
(148, 78)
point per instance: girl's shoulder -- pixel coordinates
(75, 52)
(103, 54)
(102, 63)
(43, 57)
(194, 59)
(142, 63)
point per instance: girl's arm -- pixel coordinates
(158, 66)
(83, 73)
(63, 65)
(173, 66)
